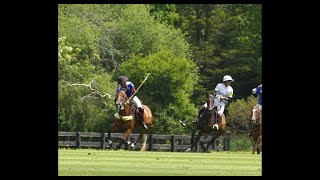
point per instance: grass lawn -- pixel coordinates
(92, 162)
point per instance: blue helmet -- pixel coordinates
(122, 79)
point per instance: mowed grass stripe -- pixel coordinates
(151, 161)
(123, 163)
(160, 170)
(125, 154)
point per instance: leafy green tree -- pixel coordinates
(239, 114)
(224, 39)
(167, 90)
(187, 48)
(84, 94)
(115, 33)
(140, 34)
(165, 13)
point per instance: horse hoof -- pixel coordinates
(215, 127)
(204, 148)
(132, 145)
(109, 142)
(188, 150)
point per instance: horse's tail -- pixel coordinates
(147, 115)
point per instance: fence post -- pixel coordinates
(172, 143)
(78, 140)
(226, 141)
(150, 142)
(103, 141)
(216, 145)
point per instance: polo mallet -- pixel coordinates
(138, 88)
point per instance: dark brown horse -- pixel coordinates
(256, 130)
(205, 123)
(127, 119)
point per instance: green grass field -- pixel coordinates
(91, 162)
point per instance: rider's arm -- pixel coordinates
(229, 96)
(132, 89)
(254, 91)
(229, 99)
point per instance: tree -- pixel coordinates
(84, 95)
(168, 89)
(239, 113)
(224, 39)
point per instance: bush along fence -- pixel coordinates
(155, 142)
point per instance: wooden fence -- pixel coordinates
(155, 142)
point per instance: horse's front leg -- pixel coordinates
(202, 144)
(212, 141)
(257, 144)
(191, 141)
(112, 128)
(195, 141)
(125, 139)
(192, 136)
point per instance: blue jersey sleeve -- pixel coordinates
(259, 90)
(130, 90)
(259, 93)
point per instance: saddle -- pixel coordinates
(134, 111)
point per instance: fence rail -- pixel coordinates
(155, 142)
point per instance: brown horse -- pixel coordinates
(256, 130)
(205, 126)
(126, 120)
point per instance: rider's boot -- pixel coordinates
(141, 110)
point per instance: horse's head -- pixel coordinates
(121, 100)
(255, 114)
(207, 114)
(210, 101)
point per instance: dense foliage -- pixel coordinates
(187, 48)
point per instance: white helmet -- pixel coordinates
(227, 78)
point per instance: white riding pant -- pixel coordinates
(219, 104)
(136, 101)
(260, 107)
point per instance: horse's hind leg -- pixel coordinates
(132, 142)
(120, 144)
